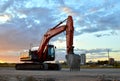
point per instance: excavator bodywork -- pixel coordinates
(38, 64)
(46, 52)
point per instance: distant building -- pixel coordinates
(83, 59)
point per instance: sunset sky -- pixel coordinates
(96, 23)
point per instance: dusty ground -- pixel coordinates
(10, 74)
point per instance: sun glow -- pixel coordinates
(2, 61)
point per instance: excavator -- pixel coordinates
(46, 52)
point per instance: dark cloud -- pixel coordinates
(111, 21)
(102, 16)
(107, 34)
(91, 54)
(116, 51)
(60, 2)
(96, 57)
(5, 4)
(97, 50)
(19, 32)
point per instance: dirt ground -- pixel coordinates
(10, 74)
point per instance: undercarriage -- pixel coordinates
(38, 66)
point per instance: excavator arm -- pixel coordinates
(44, 42)
(69, 35)
(55, 31)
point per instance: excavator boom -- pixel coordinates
(51, 33)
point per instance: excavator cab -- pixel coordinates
(50, 55)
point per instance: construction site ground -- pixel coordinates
(10, 74)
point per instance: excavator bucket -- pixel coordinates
(73, 61)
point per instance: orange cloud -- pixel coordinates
(67, 10)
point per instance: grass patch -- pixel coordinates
(7, 64)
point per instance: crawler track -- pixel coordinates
(35, 66)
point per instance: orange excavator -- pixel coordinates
(46, 52)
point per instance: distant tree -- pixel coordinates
(102, 62)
